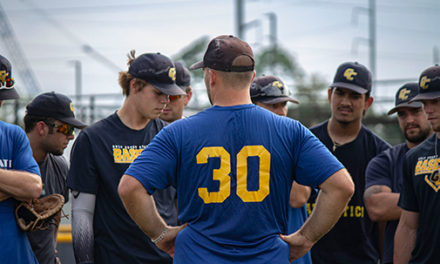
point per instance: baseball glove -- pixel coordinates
(38, 214)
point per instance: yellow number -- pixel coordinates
(242, 173)
(222, 174)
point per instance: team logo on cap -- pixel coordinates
(424, 82)
(349, 73)
(277, 84)
(71, 107)
(3, 75)
(403, 94)
(172, 73)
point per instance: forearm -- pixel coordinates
(405, 237)
(329, 207)
(299, 195)
(20, 184)
(383, 206)
(141, 207)
(83, 207)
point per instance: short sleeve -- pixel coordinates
(23, 159)
(155, 166)
(315, 163)
(408, 199)
(378, 171)
(82, 173)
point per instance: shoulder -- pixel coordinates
(319, 128)
(59, 160)
(423, 148)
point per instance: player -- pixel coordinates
(49, 124)
(270, 93)
(233, 165)
(384, 172)
(19, 178)
(174, 109)
(102, 230)
(418, 234)
(354, 238)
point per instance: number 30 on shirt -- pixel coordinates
(222, 174)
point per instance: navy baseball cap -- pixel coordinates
(429, 84)
(353, 76)
(54, 105)
(158, 70)
(404, 95)
(183, 76)
(270, 90)
(7, 90)
(224, 53)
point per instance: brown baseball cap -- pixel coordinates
(224, 53)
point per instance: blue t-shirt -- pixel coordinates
(100, 155)
(386, 169)
(354, 237)
(420, 194)
(15, 154)
(233, 168)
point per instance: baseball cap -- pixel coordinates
(270, 90)
(56, 106)
(224, 53)
(404, 95)
(158, 70)
(353, 76)
(7, 90)
(429, 84)
(183, 76)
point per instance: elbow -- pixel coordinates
(298, 202)
(124, 188)
(374, 215)
(36, 188)
(348, 189)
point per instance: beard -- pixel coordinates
(419, 137)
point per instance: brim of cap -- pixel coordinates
(276, 100)
(7, 94)
(412, 105)
(73, 122)
(168, 88)
(425, 96)
(350, 86)
(197, 65)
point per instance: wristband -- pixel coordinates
(161, 236)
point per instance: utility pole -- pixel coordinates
(239, 18)
(372, 39)
(435, 55)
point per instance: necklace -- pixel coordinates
(335, 145)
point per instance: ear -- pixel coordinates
(368, 103)
(133, 88)
(188, 97)
(42, 128)
(212, 77)
(329, 92)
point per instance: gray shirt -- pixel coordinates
(54, 171)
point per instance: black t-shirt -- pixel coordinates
(100, 156)
(354, 237)
(386, 169)
(54, 171)
(420, 194)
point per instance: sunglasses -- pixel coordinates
(175, 97)
(65, 129)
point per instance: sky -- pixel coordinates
(320, 34)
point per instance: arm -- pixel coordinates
(405, 237)
(21, 185)
(299, 195)
(335, 193)
(381, 203)
(83, 208)
(142, 209)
